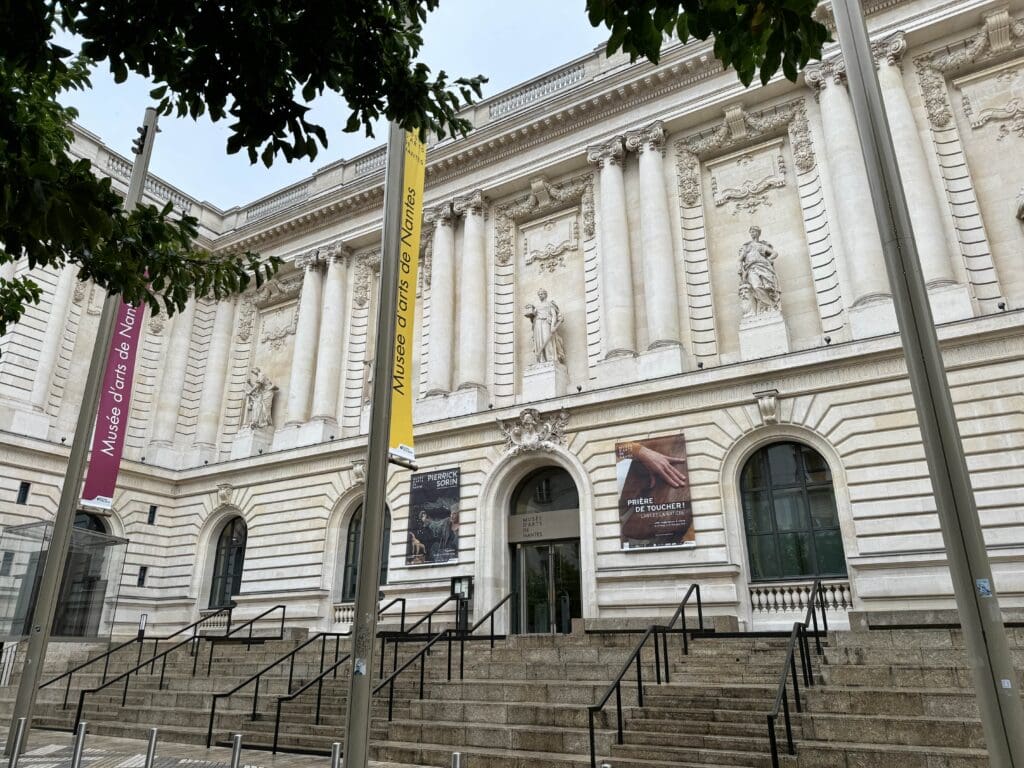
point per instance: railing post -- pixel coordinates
(462, 659)
(789, 726)
(814, 620)
(423, 664)
(67, 692)
(449, 658)
(664, 651)
(657, 659)
(796, 685)
(618, 711)
(277, 728)
(593, 741)
(700, 611)
(209, 729)
(686, 638)
(639, 677)
(209, 663)
(106, 665)
(319, 695)
(824, 608)
(79, 748)
(391, 698)
(291, 670)
(771, 741)
(337, 645)
(256, 695)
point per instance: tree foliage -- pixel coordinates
(751, 36)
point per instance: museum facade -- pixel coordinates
(655, 345)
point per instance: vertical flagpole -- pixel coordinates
(53, 568)
(995, 679)
(357, 725)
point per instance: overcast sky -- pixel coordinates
(509, 43)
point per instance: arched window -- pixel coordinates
(789, 512)
(228, 563)
(87, 521)
(545, 490)
(352, 542)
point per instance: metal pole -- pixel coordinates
(236, 750)
(79, 749)
(336, 755)
(988, 651)
(151, 748)
(60, 540)
(357, 718)
(19, 735)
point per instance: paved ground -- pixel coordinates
(49, 749)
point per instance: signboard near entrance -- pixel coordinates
(544, 526)
(654, 493)
(433, 517)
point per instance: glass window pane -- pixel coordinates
(547, 489)
(764, 564)
(823, 508)
(795, 554)
(829, 548)
(785, 464)
(815, 468)
(754, 475)
(790, 514)
(757, 512)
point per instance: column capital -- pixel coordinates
(335, 253)
(440, 215)
(651, 137)
(889, 50)
(828, 73)
(310, 260)
(475, 202)
(610, 152)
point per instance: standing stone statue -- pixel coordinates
(759, 283)
(546, 319)
(259, 400)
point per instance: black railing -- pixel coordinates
(421, 655)
(319, 682)
(247, 624)
(490, 616)
(141, 640)
(798, 638)
(407, 634)
(290, 657)
(657, 634)
(384, 610)
(194, 626)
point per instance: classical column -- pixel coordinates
(172, 383)
(660, 286)
(54, 333)
(862, 245)
(307, 332)
(472, 293)
(918, 184)
(616, 270)
(330, 350)
(442, 304)
(211, 402)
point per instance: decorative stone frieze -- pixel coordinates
(534, 432)
(367, 265)
(579, 189)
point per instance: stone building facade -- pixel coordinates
(618, 253)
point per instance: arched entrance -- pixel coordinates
(353, 540)
(228, 563)
(544, 536)
(789, 514)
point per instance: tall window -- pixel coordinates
(352, 542)
(789, 511)
(228, 563)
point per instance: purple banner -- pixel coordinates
(112, 416)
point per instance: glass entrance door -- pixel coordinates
(546, 579)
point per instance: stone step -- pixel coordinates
(760, 758)
(898, 676)
(835, 754)
(528, 738)
(894, 729)
(939, 702)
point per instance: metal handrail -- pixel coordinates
(319, 680)
(194, 626)
(141, 640)
(250, 624)
(406, 633)
(430, 616)
(797, 639)
(321, 636)
(421, 654)
(383, 610)
(490, 615)
(636, 658)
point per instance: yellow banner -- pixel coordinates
(400, 445)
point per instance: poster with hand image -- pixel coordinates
(433, 535)
(654, 493)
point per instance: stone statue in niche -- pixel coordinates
(759, 282)
(546, 319)
(259, 400)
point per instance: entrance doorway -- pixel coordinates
(544, 529)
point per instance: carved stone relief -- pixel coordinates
(367, 265)
(534, 432)
(277, 324)
(543, 198)
(746, 178)
(768, 405)
(547, 241)
(995, 96)
(268, 295)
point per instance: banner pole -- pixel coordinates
(995, 680)
(53, 568)
(364, 630)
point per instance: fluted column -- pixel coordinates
(442, 304)
(918, 184)
(473, 293)
(862, 245)
(54, 333)
(172, 383)
(660, 287)
(616, 269)
(211, 402)
(330, 350)
(307, 334)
